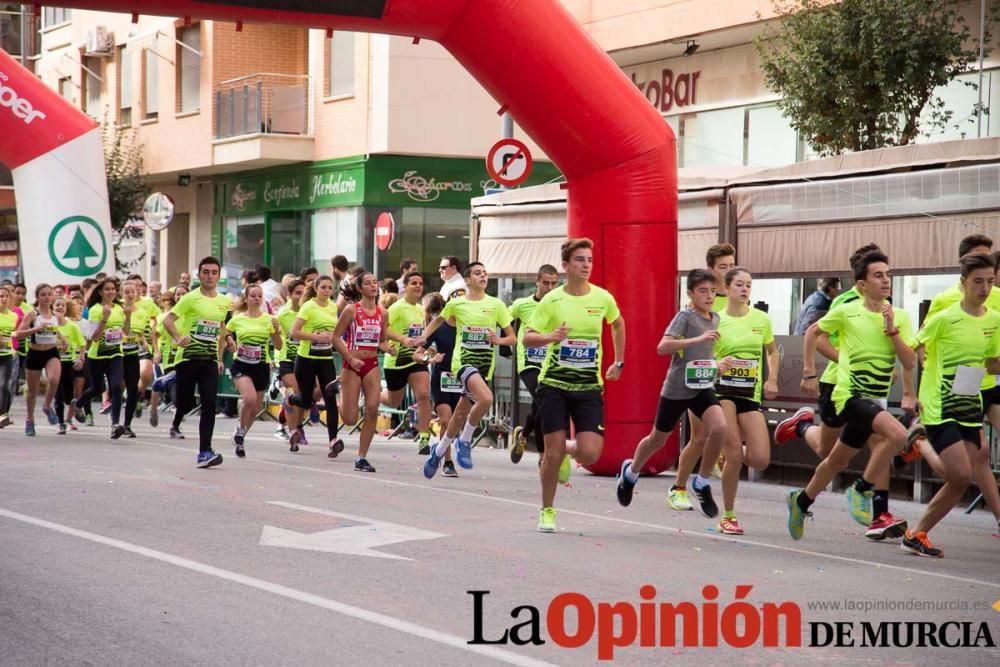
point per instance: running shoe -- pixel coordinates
(432, 463)
(332, 387)
(423, 445)
(275, 390)
(787, 430)
(154, 417)
(297, 438)
(238, 436)
(859, 504)
(72, 426)
(175, 434)
(565, 469)
(886, 526)
(105, 407)
(920, 544)
(62, 429)
(78, 412)
(314, 415)
(796, 517)
(448, 469)
(717, 468)
(625, 487)
(129, 433)
(138, 409)
(336, 447)
(678, 499)
(5, 421)
(409, 434)
(730, 526)
(463, 453)
(29, 429)
(362, 465)
(547, 520)
(209, 459)
(706, 505)
(517, 449)
(911, 452)
(90, 419)
(50, 414)
(117, 431)
(281, 433)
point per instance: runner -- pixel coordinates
(41, 328)
(359, 336)
(744, 332)
(71, 357)
(163, 362)
(406, 326)
(144, 321)
(251, 368)
(110, 323)
(8, 324)
(719, 259)
(132, 344)
(475, 317)
(872, 335)
(289, 351)
(689, 386)
(529, 360)
(314, 325)
(959, 343)
(445, 389)
(21, 308)
(195, 325)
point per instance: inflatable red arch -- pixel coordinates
(617, 153)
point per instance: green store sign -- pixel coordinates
(379, 181)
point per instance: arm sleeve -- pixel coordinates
(928, 332)
(541, 319)
(503, 317)
(902, 321)
(768, 330)
(832, 322)
(611, 312)
(678, 326)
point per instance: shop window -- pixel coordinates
(189, 69)
(150, 85)
(960, 98)
(340, 64)
(771, 141)
(91, 73)
(335, 232)
(242, 246)
(124, 86)
(712, 138)
(427, 235)
(66, 89)
(292, 244)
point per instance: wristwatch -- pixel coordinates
(619, 364)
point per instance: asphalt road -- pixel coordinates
(123, 553)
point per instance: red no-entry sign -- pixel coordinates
(385, 230)
(509, 162)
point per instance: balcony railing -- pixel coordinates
(263, 104)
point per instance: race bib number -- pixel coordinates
(367, 335)
(113, 337)
(130, 342)
(700, 374)
(741, 375)
(450, 384)
(968, 380)
(320, 347)
(249, 354)
(535, 355)
(578, 353)
(206, 331)
(415, 331)
(476, 338)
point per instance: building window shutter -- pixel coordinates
(340, 74)
(151, 83)
(190, 70)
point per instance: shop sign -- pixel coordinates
(669, 89)
(344, 187)
(422, 189)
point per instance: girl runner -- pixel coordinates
(314, 325)
(365, 325)
(104, 360)
(8, 323)
(289, 351)
(251, 368)
(131, 344)
(445, 389)
(41, 327)
(71, 358)
(162, 361)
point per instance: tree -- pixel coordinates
(127, 187)
(861, 74)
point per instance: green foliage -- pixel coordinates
(127, 187)
(860, 74)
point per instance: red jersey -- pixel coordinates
(365, 331)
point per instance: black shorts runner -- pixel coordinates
(858, 417)
(397, 378)
(669, 410)
(286, 368)
(556, 407)
(743, 405)
(38, 358)
(990, 397)
(441, 397)
(825, 408)
(943, 436)
(260, 374)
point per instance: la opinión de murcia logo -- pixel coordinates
(20, 107)
(421, 189)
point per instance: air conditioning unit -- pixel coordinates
(100, 42)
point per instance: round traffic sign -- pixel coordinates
(509, 162)
(385, 230)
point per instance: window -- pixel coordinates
(66, 89)
(6, 178)
(54, 16)
(124, 86)
(771, 141)
(340, 64)
(150, 85)
(10, 30)
(713, 138)
(90, 73)
(189, 69)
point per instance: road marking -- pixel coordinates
(628, 522)
(284, 591)
(352, 540)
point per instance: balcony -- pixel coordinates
(263, 120)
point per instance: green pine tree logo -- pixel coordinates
(80, 249)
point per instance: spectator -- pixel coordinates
(155, 289)
(390, 286)
(185, 280)
(59, 291)
(406, 266)
(340, 266)
(309, 275)
(451, 273)
(268, 284)
(817, 304)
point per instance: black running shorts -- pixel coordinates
(669, 410)
(825, 408)
(557, 407)
(943, 436)
(859, 415)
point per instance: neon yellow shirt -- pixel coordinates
(317, 319)
(8, 323)
(407, 320)
(252, 336)
(200, 318)
(289, 348)
(474, 320)
(110, 343)
(527, 357)
(743, 338)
